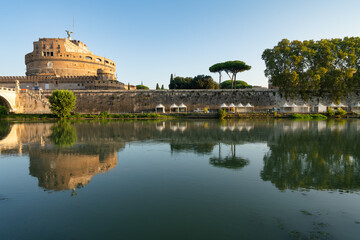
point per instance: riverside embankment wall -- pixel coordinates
(120, 101)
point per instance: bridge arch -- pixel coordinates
(8, 98)
(5, 102)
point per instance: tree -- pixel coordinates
(128, 86)
(217, 68)
(203, 82)
(142, 87)
(162, 87)
(62, 103)
(231, 68)
(157, 87)
(239, 84)
(198, 82)
(180, 83)
(314, 68)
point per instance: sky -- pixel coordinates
(149, 40)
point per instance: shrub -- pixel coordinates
(340, 112)
(330, 112)
(3, 111)
(62, 103)
(142, 87)
(222, 113)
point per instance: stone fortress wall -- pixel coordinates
(65, 57)
(118, 101)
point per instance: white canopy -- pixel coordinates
(248, 105)
(332, 105)
(357, 105)
(319, 105)
(285, 105)
(174, 106)
(293, 105)
(182, 106)
(160, 106)
(240, 105)
(223, 105)
(231, 105)
(341, 105)
(305, 105)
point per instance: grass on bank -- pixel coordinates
(308, 116)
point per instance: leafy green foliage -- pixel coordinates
(3, 111)
(198, 82)
(239, 84)
(330, 112)
(62, 103)
(313, 68)
(157, 87)
(63, 134)
(142, 87)
(340, 112)
(222, 113)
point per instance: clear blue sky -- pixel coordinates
(149, 40)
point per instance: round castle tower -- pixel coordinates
(63, 57)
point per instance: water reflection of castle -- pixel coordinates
(57, 168)
(62, 171)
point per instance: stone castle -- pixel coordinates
(62, 63)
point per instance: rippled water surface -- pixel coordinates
(180, 180)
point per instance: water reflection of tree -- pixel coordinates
(4, 129)
(231, 162)
(63, 134)
(327, 160)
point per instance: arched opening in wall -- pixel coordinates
(98, 60)
(88, 58)
(4, 102)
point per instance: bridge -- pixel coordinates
(8, 98)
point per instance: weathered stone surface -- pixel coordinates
(118, 101)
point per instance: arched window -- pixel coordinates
(88, 58)
(98, 60)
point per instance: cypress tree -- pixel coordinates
(171, 85)
(162, 87)
(157, 87)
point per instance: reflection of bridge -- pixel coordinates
(8, 98)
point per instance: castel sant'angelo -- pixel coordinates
(63, 63)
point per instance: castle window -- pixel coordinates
(37, 46)
(67, 55)
(98, 60)
(52, 54)
(51, 46)
(88, 58)
(58, 46)
(44, 46)
(106, 61)
(80, 56)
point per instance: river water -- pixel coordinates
(197, 179)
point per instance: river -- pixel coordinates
(200, 179)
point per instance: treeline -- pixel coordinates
(314, 68)
(204, 82)
(198, 82)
